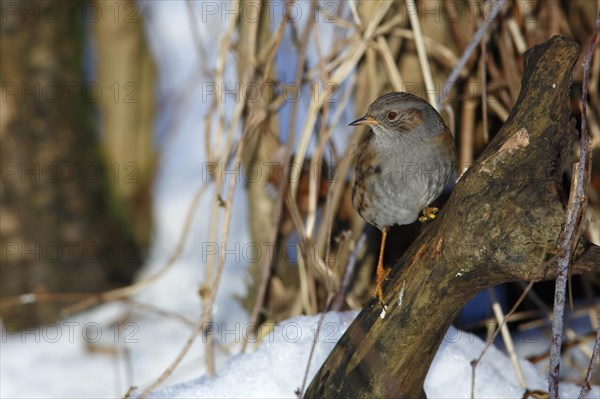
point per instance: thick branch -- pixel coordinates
(501, 223)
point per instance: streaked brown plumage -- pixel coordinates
(403, 164)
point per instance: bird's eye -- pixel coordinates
(392, 115)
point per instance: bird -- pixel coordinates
(402, 165)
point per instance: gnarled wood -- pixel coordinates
(501, 223)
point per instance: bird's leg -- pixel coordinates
(380, 270)
(428, 214)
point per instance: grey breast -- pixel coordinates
(396, 190)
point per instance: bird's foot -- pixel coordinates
(379, 294)
(382, 275)
(429, 213)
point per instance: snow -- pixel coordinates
(277, 368)
(64, 366)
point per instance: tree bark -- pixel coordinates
(59, 234)
(501, 223)
(126, 73)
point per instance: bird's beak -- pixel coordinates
(365, 120)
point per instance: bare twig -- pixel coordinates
(484, 111)
(159, 311)
(547, 312)
(497, 108)
(345, 68)
(314, 344)
(220, 152)
(489, 342)
(438, 51)
(354, 12)
(576, 211)
(508, 343)
(313, 262)
(337, 182)
(303, 276)
(254, 119)
(186, 347)
(140, 285)
(496, 8)
(585, 390)
(215, 212)
(196, 35)
(256, 115)
(516, 35)
(564, 259)
(324, 138)
(583, 170)
(467, 131)
(43, 297)
(314, 178)
(419, 43)
(265, 267)
(348, 272)
(390, 64)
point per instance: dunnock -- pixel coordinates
(403, 165)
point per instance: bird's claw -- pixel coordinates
(379, 294)
(429, 213)
(384, 306)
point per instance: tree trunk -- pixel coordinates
(501, 223)
(59, 232)
(126, 75)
